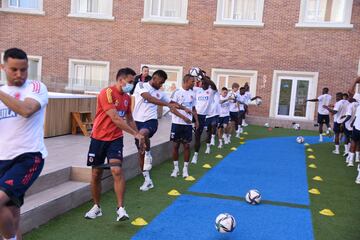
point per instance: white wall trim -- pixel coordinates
(325, 25)
(238, 24)
(93, 16)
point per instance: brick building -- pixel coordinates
(287, 50)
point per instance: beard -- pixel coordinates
(18, 82)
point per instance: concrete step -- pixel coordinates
(40, 207)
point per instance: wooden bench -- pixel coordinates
(82, 120)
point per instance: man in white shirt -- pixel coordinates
(22, 152)
(147, 97)
(249, 99)
(181, 128)
(234, 109)
(339, 110)
(212, 120)
(242, 100)
(323, 114)
(224, 118)
(348, 130)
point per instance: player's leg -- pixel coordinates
(16, 214)
(321, 123)
(337, 138)
(186, 138)
(174, 137)
(347, 142)
(7, 221)
(198, 133)
(208, 137)
(357, 152)
(220, 132)
(356, 140)
(352, 148)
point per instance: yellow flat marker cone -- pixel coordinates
(206, 166)
(219, 156)
(314, 191)
(233, 148)
(139, 222)
(242, 143)
(246, 133)
(242, 138)
(306, 144)
(312, 157)
(310, 150)
(190, 178)
(318, 178)
(312, 166)
(327, 212)
(174, 193)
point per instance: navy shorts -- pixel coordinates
(241, 114)
(151, 125)
(355, 135)
(338, 127)
(99, 150)
(223, 121)
(234, 116)
(17, 175)
(212, 121)
(202, 121)
(347, 132)
(323, 119)
(181, 133)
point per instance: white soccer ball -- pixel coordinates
(300, 139)
(253, 197)
(195, 71)
(296, 126)
(258, 101)
(267, 125)
(225, 223)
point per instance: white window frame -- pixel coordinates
(148, 18)
(73, 62)
(313, 78)
(6, 8)
(30, 57)
(95, 16)
(344, 25)
(222, 22)
(217, 72)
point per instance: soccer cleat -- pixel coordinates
(212, 141)
(185, 173)
(350, 164)
(175, 173)
(147, 185)
(207, 151)
(336, 152)
(357, 160)
(122, 215)
(147, 162)
(194, 159)
(94, 212)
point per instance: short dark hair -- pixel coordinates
(144, 67)
(161, 74)
(325, 89)
(224, 88)
(15, 53)
(187, 77)
(123, 72)
(345, 95)
(242, 88)
(235, 85)
(339, 94)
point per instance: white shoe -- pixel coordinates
(212, 141)
(320, 139)
(241, 130)
(347, 159)
(185, 173)
(175, 173)
(147, 185)
(237, 134)
(220, 145)
(122, 215)
(345, 154)
(207, 151)
(94, 212)
(350, 164)
(357, 181)
(194, 159)
(147, 162)
(335, 152)
(245, 124)
(357, 160)
(229, 139)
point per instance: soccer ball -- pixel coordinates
(195, 72)
(258, 101)
(267, 125)
(225, 223)
(300, 139)
(253, 197)
(296, 126)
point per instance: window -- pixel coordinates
(165, 11)
(289, 94)
(23, 6)
(97, 9)
(325, 13)
(226, 77)
(240, 13)
(88, 75)
(34, 69)
(175, 74)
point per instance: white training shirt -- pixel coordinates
(242, 99)
(233, 103)
(350, 111)
(204, 98)
(357, 120)
(144, 110)
(248, 97)
(225, 106)
(214, 109)
(185, 98)
(21, 135)
(324, 99)
(340, 107)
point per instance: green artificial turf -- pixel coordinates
(338, 192)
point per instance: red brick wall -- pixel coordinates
(128, 42)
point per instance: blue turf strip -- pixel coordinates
(192, 217)
(274, 166)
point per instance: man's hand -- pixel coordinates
(188, 121)
(188, 111)
(141, 139)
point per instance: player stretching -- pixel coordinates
(224, 117)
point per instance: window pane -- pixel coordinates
(227, 9)
(33, 69)
(301, 96)
(170, 84)
(13, 3)
(325, 10)
(337, 12)
(170, 8)
(241, 80)
(28, 4)
(222, 82)
(79, 75)
(155, 7)
(245, 9)
(82, 6)
(93, 6)
(285, 97)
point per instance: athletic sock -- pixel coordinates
(346, 146)
(147, 153)
(176, 164)
(220, 141)
(321, 137)
(196, 153)
(186, 164)
(212, 135)
(337, 148)
(357, 155)
(146, 175)
(208, 145)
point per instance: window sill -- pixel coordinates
(23, 11)
(325, 25)
(238, 24)
(92, 17)
(165, 21)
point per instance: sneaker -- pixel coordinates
(175, 173)
(350, 164)
(220, 145)
(345, 154)
(335, 152)
(212, 141)
(147, 185)
(194, 159)
(147, 162)
(185, 173)
(237, 134)
(94, 212)
(241, 130)
(207, 151)
(245, 124)
(357, 160)
(357, 181)
(122, 215)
